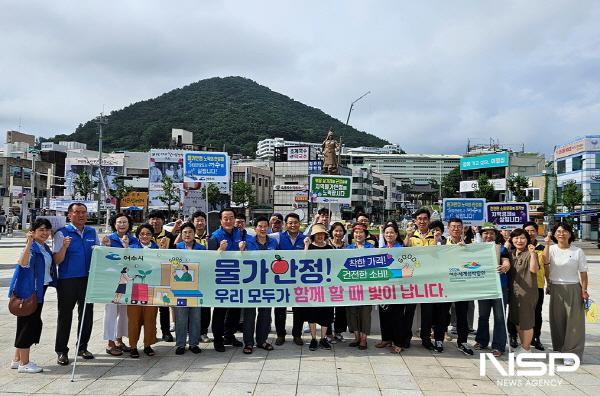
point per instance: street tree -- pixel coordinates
(83, 185)
(451, 184)
(214, 195)
(571, 196)
(120, 191)
(484, 188)
(171, 193)
(517, 185)
(243, 194)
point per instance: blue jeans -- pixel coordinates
(187, 321)
(483, 326)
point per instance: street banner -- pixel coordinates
(294, 278)
(470, 210)
(507, 215)
(199, 166)
(330, 189)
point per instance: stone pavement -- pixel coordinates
(288, 370)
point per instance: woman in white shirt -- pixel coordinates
(568, 290)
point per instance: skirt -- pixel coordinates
(29, 328)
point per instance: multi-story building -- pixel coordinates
(266, 147)
(579, 161)
(16, 137)
(261, 179)
(71, 145)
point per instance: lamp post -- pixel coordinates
(352, 105)
(100, 121)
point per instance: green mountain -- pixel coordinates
(233, 112)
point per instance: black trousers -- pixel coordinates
(537, 327)
(462, 321)
(280, 317)
(401, 324)
(224, 323)
(387, 316)
(71, 291)
(204, 320)
(340, 323)
(436, 316)
(299, 320)
(165, 320)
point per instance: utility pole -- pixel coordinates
(352, 105)
(100, 121)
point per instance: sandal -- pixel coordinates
(134, 353)
(396, 350)
(497, 353)
(114, 351)
(123, 347)
(149, 351)
(247, 349)
(383, 344)
(266, 346)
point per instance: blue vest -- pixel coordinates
(197, 246)
(233, 239)
(253, 245)
(115, 241)
(285, 243)
(22, 282)
(79, 253)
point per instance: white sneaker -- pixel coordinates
(172, 328)
(15, 365)
(204, 338)
(569, 362)
(520, 350)
(30, 368)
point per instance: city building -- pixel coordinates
(579, 161)
(20, 137)
(497, 166)
(16, 183)
(70, 145)
(387, 149)
(266, 147)
(261, 179)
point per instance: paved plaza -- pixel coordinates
(288, 370)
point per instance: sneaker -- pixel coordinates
(204, 339)
(439, 346)
(513, 341)
(464, 348)
(30, 368)
(15, 365)
(537, 344)
(331, 340)
(280, 340)
(569, 362)
(339, 337)
(453, 331)
(324, 343)
(520, 350)
(172, 327)
(298, 341)
(314, 345)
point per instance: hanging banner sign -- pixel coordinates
(297, 278)
(205, 166)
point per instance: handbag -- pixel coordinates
(24, 306)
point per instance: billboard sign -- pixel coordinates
(330, 189)
(484, 161)
(470, 210)
(507, 215)
(205, 166)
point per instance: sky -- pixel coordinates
(440, 73)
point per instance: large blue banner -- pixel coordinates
(205, 167)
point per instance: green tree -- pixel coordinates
(571, 196)
(243, 193)
(484, 188)
(83, 185)
(120, 191)
(214, 195)
(517, 185)
(451, 184)
(170, 195)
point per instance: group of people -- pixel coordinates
(524, 267)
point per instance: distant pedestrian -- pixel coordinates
(2, 222)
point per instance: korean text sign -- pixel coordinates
(331, 189)
(205, 166)
(507, 215)
(294, 278)
(484, 161)
(470, 210)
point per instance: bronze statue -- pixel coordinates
(331, 150)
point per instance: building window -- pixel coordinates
(577, 163)
(595, 193)
(561, 167)
(259, 182)
(597, 159)
(533, 193)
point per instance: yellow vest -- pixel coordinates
(422, 240)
